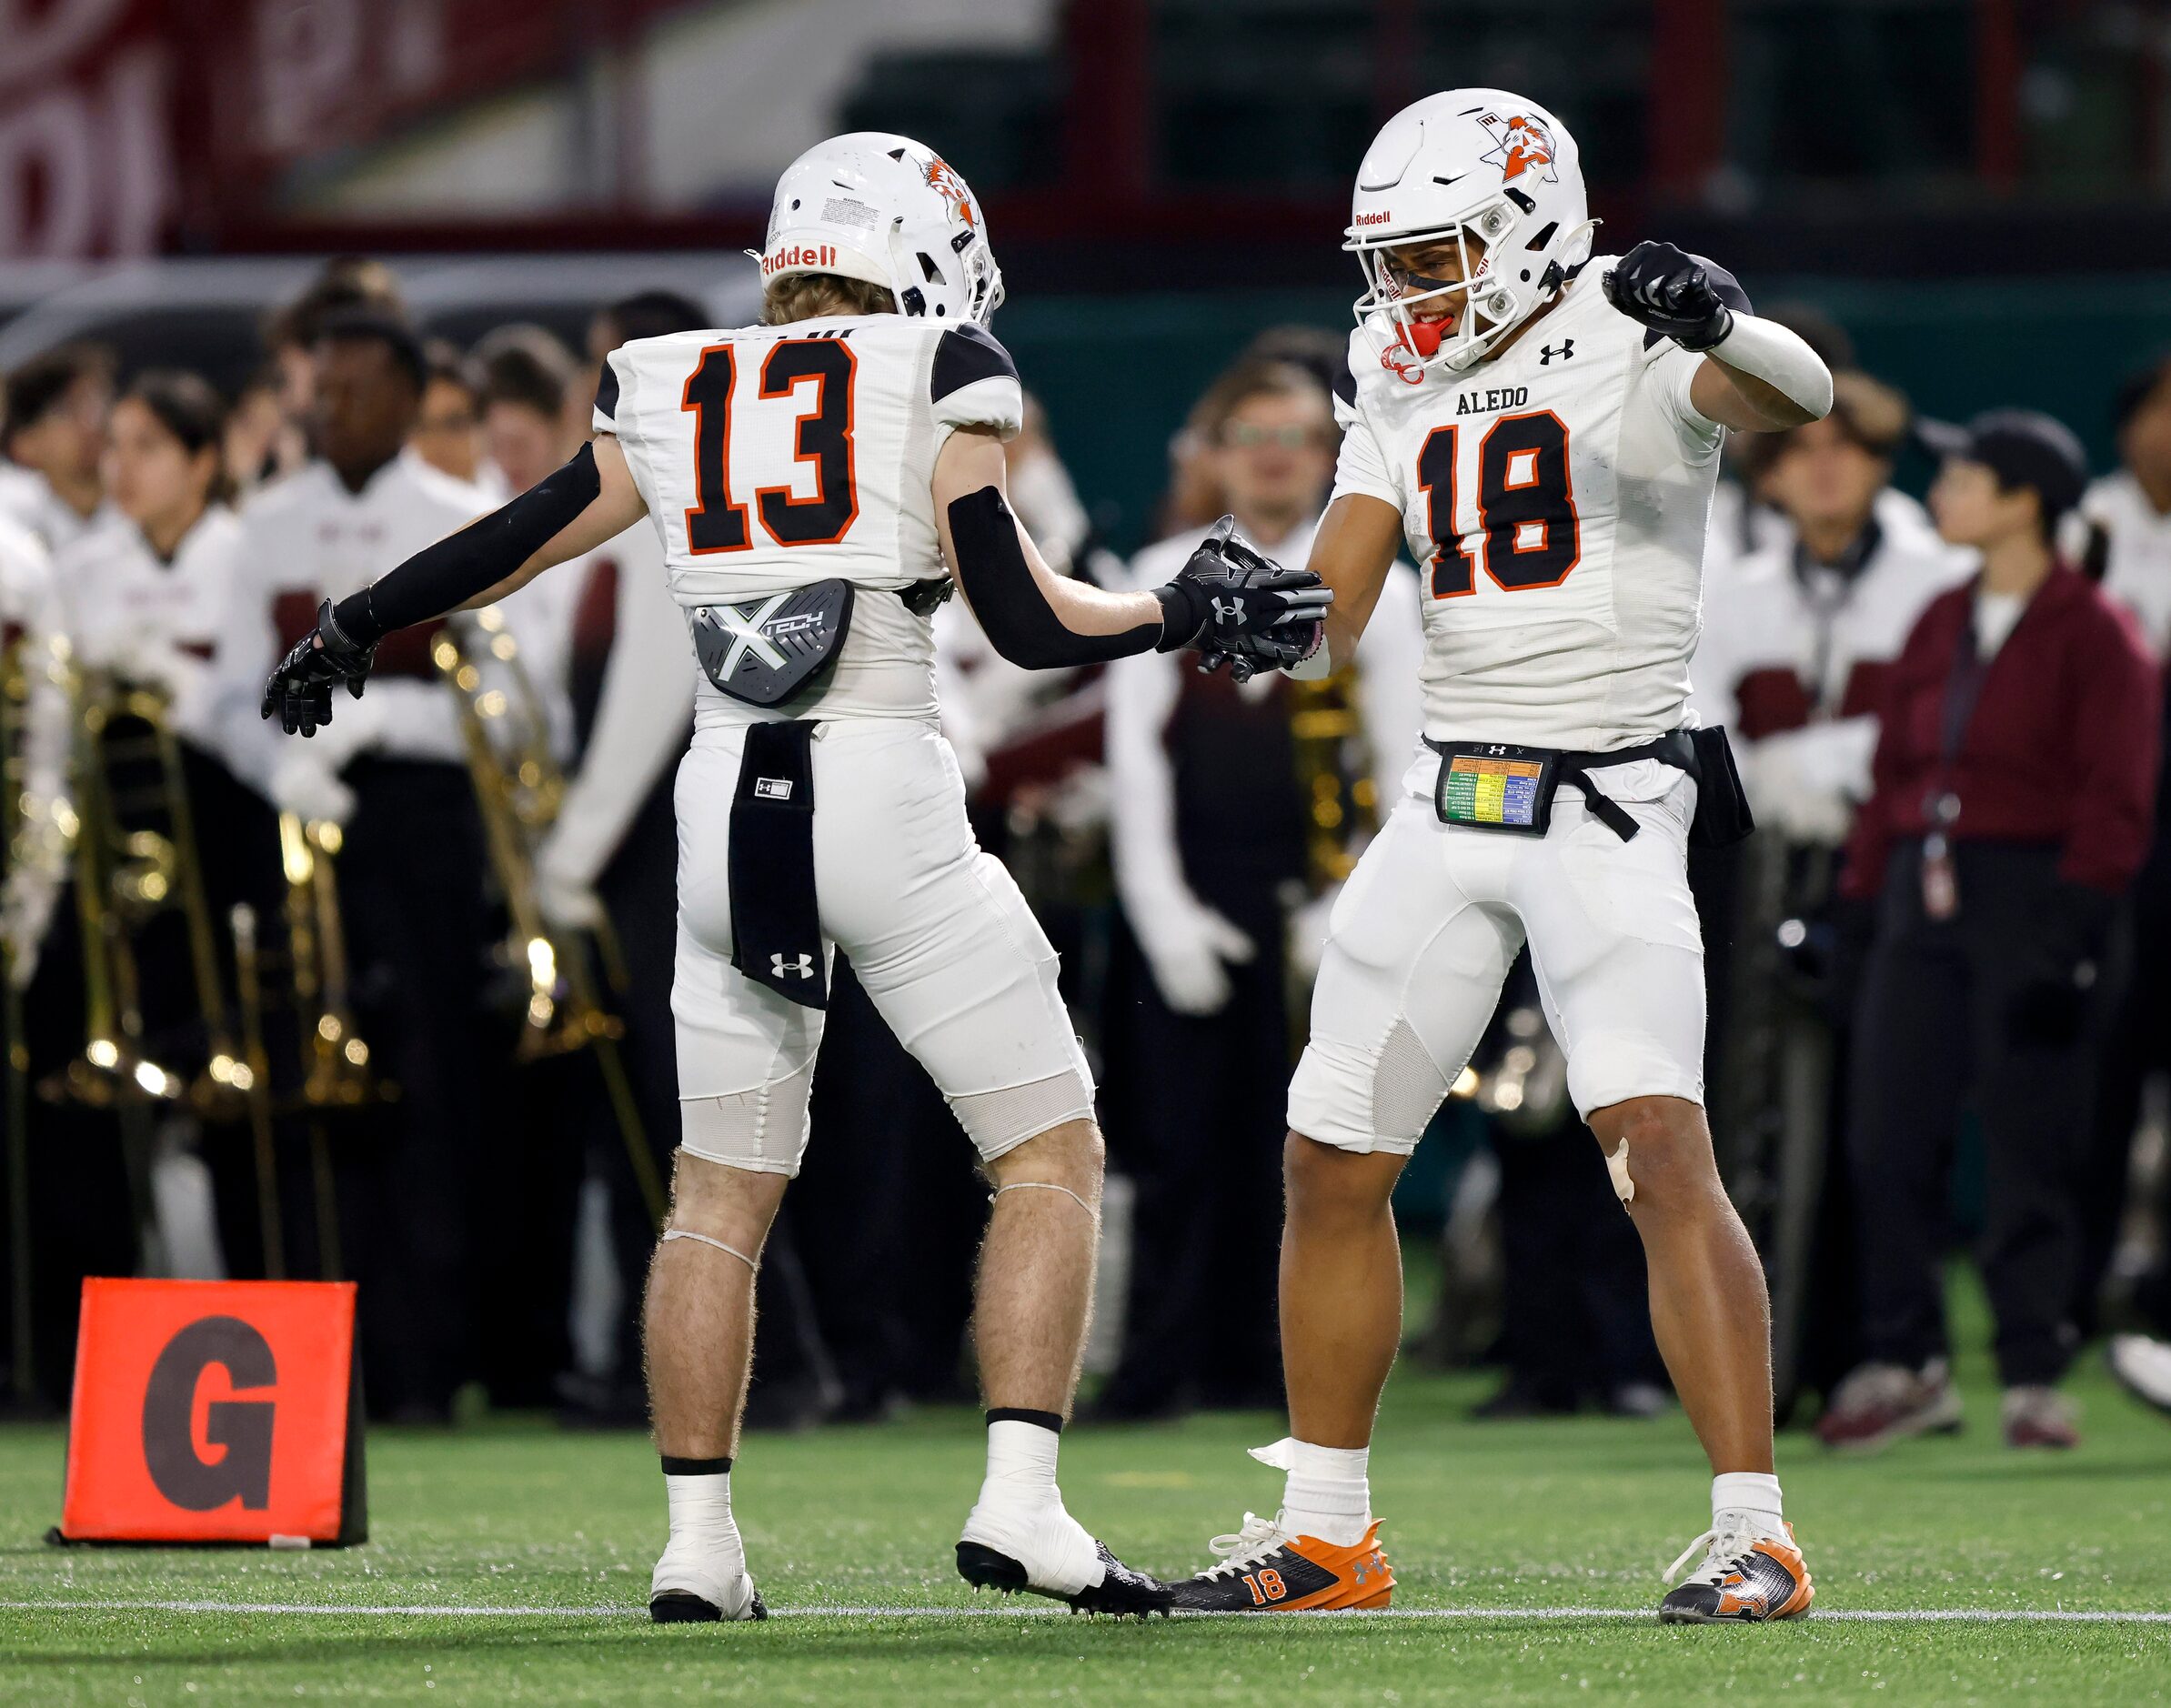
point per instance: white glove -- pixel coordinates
(1186, 946)
(1789, 792)
(26, 901)
(303, 784)
(567, 897)
(1308, 933)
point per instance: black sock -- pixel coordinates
(1018, 1414)
(695, 1467)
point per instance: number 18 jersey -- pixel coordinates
(774, 456)
(1555, 499)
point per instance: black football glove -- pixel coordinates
(1242, 608)
(1668, 290)
(300, 693)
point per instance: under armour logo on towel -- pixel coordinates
(803, 968)
(1547, 352)
(772, 788)
(1230, 611)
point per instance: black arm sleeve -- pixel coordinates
(444, 577)
(1000, 586)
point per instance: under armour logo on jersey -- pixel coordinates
(1228, 611)
(1547, 352)
(803, 968)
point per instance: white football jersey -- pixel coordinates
(1555, 499)
(774, 456)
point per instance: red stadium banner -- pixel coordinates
(216, 1411)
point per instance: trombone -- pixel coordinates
(126, 874)
(518, 790)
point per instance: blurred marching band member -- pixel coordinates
(76, 1172)
(146, 595)
(1212, 844)
(1799, 638)
(291, 332)
(449, 428)
(260, 445)
(53, 437)
(2016, 772)
(2123, 536)
(415, 912)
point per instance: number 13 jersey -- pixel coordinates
(1555, 499)
(774, 456)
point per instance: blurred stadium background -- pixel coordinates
(1973, 188)
(1978, 192)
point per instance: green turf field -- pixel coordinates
(1487, 1524)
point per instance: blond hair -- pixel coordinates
(810, 296)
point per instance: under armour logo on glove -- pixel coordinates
(1241, 609)
(1546, 353)
(802, 968)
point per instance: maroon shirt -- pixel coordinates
(2061, 747)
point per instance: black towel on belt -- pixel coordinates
(776, 922)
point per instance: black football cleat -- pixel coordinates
(683, 1607)
(1119, 1590)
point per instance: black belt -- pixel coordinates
(1536, 772)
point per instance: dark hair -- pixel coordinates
(449, 363)
(388, 331)
(2134, 390)
(1320, 352)
(188, 409)
(655, 315)
(525, 364)
(346, 282)
(37, 387)
(1252, 377)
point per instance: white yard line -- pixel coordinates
(432, 1610)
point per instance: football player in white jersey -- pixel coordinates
(816, 481)
(1543, 430)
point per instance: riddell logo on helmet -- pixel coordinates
(808, 255)
(1380, 218)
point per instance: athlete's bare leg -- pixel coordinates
(697, 1319)
(1036, 1269)
(1342, 1289)
(1708, 1305)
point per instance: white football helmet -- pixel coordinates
(883, 208)
(1466, 165)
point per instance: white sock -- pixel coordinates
(1756, 1492)
(701, 1509)
(1326, 1495)
(1021, 1465)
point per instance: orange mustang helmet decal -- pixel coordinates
(944, 181)
(1521, 143)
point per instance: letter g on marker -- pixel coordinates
(242, 1427)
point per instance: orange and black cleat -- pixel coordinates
(1263, 1568)
(1746, 1578)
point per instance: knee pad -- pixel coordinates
(999, 1121)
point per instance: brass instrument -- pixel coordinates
(125, 877)
(15, 1048)
(1341, 801)
(519, 788)
(335, 1061)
